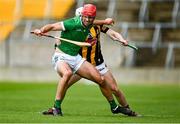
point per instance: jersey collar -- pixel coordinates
(89, 27)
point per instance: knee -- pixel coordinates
(101, 81)
(68, 73)
(114, 88)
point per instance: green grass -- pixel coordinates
(23, 102)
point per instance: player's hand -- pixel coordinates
(109, 21)
(37, 32)
(92, 41)
(124, 42)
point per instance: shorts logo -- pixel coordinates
(101, 69)
(56, 59)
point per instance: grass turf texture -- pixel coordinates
(23, 102)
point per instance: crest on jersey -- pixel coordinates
(91, 39)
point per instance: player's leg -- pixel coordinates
(88, 71)
(109, 79)
(75, 78)
(65, 72)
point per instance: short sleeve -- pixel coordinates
(68, 24)
(104, 29)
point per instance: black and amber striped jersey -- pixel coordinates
(93, 54)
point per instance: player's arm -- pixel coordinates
(107, 21)
(116, 36)
(49, 27)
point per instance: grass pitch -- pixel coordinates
(24, 102)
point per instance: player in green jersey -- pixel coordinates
(94, 55)
(66, 59)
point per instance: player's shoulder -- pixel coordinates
(97, 27)
(72, 23)
(73, 19)
(100, 26)
(76, 19)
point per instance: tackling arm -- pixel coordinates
(116, 36)
(107, 21)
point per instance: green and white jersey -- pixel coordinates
(73, 30)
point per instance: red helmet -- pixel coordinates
(89, 10)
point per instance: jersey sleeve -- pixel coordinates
(69, 24)
(103, 28)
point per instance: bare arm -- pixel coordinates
(116, 36)
(49, 27)
(107, 21)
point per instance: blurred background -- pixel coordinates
(152, 25)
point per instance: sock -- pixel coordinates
(57, 104)
(113, 104)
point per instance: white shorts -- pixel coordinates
(102, 68)
(73, 61)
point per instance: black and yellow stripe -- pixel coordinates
(93, 54)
